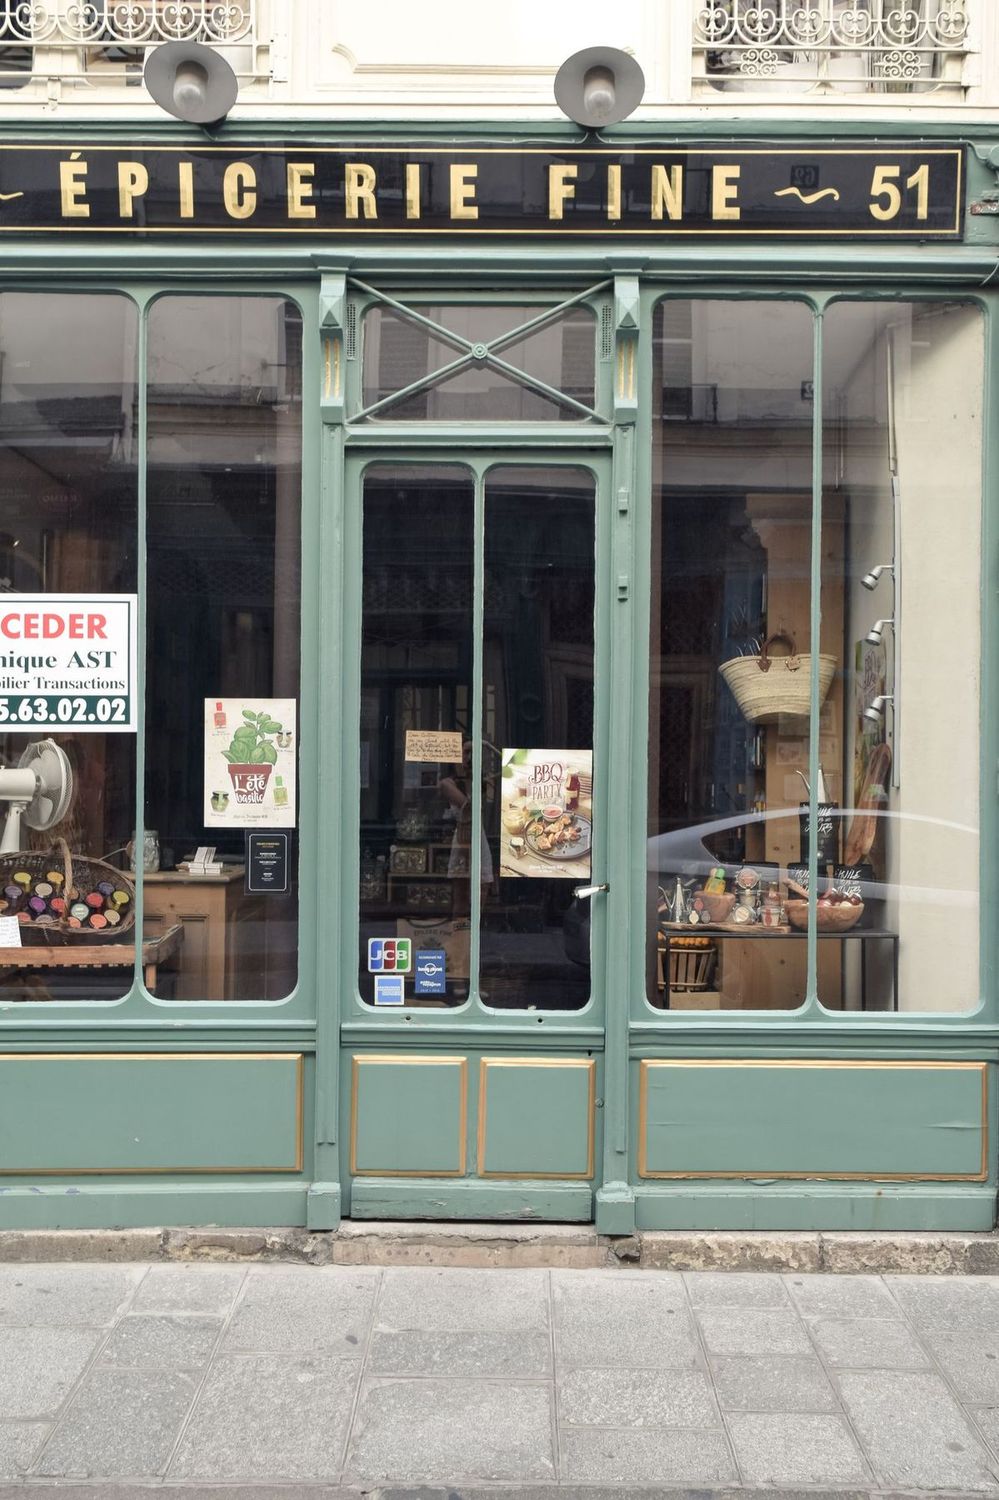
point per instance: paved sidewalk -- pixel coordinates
(128, 1375)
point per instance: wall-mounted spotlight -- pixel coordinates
(876, 711)
(873, 578)
(191, 82)
(599, 86)
(877, 630)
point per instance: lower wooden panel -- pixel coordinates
(177, 1112)
(536, 1117)
(533, 1202)
(408, 1115)
(797, 1118)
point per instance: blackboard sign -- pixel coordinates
(827, 840)
(854, 880)
(267, 863)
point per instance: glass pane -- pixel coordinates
(537, 716)
(903, 404)
(68, 498)
(399, 351)
(730, 653)
(224, 508)
(416, 676)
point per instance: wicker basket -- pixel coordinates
(691, 968)
(765, 687)
(839, 918)
(80, 875)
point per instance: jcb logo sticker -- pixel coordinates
(389, 955)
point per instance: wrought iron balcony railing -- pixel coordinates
(95, 41)
(872, 47)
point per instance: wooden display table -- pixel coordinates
(155, 951)
(756, 932)
(214, 911)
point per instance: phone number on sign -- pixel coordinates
(61, 710)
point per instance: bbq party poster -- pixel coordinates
(546, 814)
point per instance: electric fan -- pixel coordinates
(39, 790)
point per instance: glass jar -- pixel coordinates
(150, 851)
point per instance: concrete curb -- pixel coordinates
(566, 1246)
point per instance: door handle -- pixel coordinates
(584, 892)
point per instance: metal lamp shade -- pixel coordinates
(599, 86)
(191, 82)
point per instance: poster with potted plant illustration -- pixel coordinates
(250, 755)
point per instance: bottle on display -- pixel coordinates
(280, 792)
(773, 906)
(219, 716)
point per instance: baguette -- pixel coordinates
(864, 826)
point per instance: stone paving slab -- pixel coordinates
(467, 1429)
(452, 1383)
(121, 1424)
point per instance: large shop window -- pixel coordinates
(456, 858)
(68, 526)
(224, 584)
(221, 589)
(895, 773)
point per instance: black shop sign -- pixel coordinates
(873, 190)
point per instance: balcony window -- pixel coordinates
(832, 47)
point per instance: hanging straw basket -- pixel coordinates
(767, 687)
(80, 877)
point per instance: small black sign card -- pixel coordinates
(267, 862)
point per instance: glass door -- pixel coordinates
(473, 1031)
(477, 819)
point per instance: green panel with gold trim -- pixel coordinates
(408, 1115)
(536, 1117)
(151, 1112)
(921, 1121)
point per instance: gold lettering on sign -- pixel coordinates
(463, 205)
(561, 187)
(613, 192)
(724, 191)
(412, 190)
(667, 192)
(300, 174)
(239, 190)
(133, 180)
(359, 188)
(185, 183)
(72, 188)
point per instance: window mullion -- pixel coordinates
(140, 673)
(815, 639)
(478, 621)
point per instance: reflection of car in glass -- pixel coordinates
(929, 850)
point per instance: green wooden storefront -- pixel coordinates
(151, 1109)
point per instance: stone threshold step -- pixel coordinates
(579, 1247)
